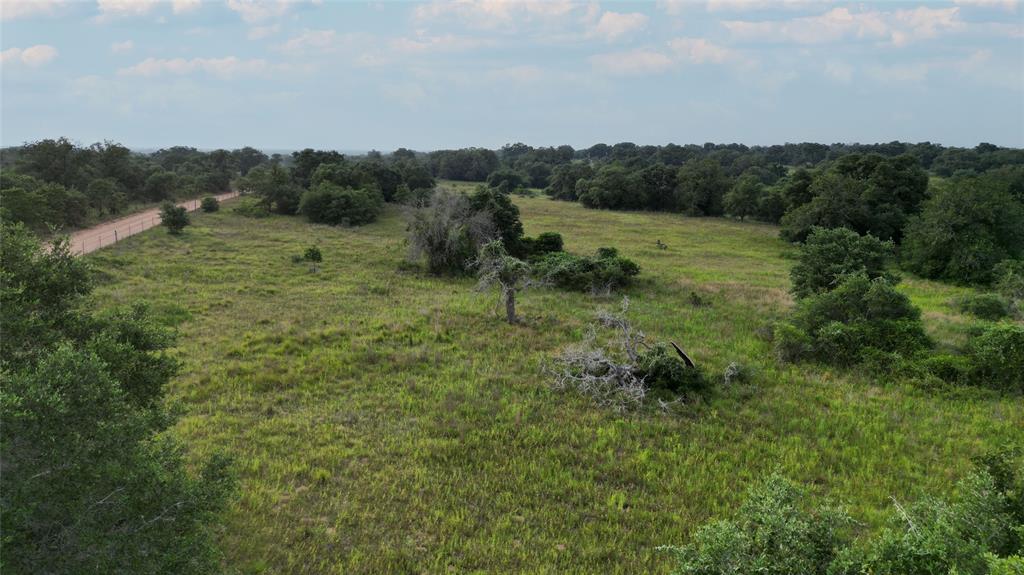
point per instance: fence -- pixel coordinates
(110, 233)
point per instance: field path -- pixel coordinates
(108, 233)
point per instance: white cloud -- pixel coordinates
(33, 56)
(184, 6)
(256, 11)
(261, 32)
(897, 27)
(634, 62)
(491, 14)
(1008, 5)
(113, 8)
(516, 75)
(312, 41)
(408, 94)
(918, 72)
(11, 10)
(700, 51)
(125, 46)
(221, 67)
(744, 5)
(445, 43)
(613, 25)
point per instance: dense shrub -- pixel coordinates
(964, 230)
(543, 244)
(329, 203)
(91, 483)
(173, 217)
(777, 531)
(839, 325)
(1009, 281)
(988, 306)
(663, 371)
(447, 233)
(603, 272)
(829, 254)
(997, 355)
(313, 254)
(498, 206)
(210, 204)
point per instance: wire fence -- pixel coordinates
(112, 232)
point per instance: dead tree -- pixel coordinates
(496, 267)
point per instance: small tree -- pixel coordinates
(496, 267)
(174, 217)
(829, 254)
(210, 204)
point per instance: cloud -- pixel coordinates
(613, 25)
(1008, 5)
(516, 75)
(12, 10)
(261, 32)
(898, 27)
(256, 11)
(745, 5)
(220, 67)
(634, 62)
(700, 51)
(33, 56)
(917, 72)
(408, 94)
(125, 46)
(491, 14)
(184, 6)
(445, 43)
(314, 41)
(114, 8)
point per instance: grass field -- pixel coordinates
(387, 421)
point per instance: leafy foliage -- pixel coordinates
(829, 254)
(447, 233)
(210, 204)
(603, 272)
(328, 203)
(988, 306)
(90, 485)
(965, 229)
(174, 218)
(997, 355)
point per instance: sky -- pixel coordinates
(288, 74)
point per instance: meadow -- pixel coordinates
(384, 420)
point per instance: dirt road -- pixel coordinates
(108, 233)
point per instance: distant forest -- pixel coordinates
(954, 212)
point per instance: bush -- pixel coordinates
(662, 371)
(997, 355)
(1009, 282)
(447, 233)
(173, 217)
(545, 243)
(839, 325)
(603, 272)
(988, 306)
(329, 203)
(251, 209)
(776, 531)
(829, 254)
(210, 204)
(964, 230)
(313, 254)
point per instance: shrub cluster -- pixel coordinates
(210, 204)
(602, 272)
(174, 218)
(329, 203)
(988, 306)
(779, 530)
(829, 254)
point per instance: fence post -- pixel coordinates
(115, 236)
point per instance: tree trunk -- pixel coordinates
(510, 305)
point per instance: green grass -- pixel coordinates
(387, 421)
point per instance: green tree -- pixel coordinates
(161, 185)
(965, 228)
(742, 199)
(104, 195)
(90, 482)
(830, 254)
(701, 188)
(174, 218)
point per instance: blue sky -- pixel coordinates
(288, 74)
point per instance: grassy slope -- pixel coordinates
(385, 421)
